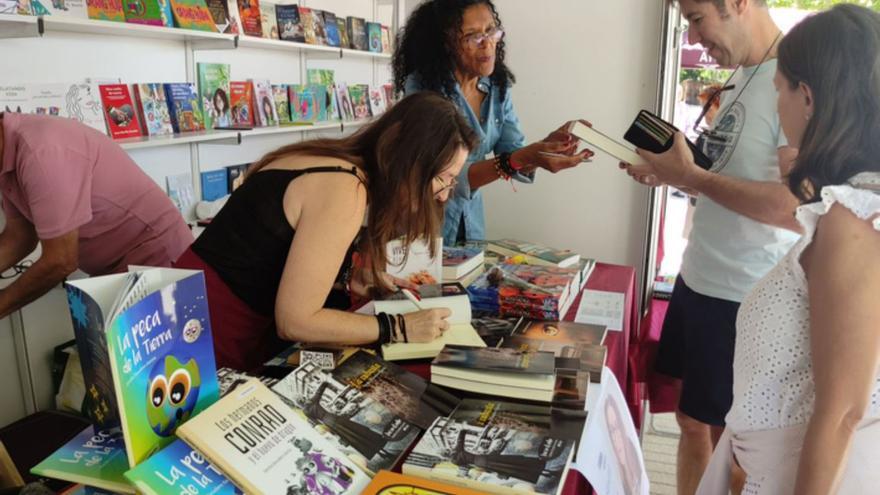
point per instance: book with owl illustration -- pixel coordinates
(178, 468)
(154, 327)
(266, 447)
(95, 457)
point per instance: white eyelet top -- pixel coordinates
(772, 366)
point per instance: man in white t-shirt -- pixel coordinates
(743, 222)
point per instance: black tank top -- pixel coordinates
(248, 241)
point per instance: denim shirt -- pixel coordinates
(498, 132)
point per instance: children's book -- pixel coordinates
(264, 103)
(357, 33)
(331, 29)
(95, 457)
(214, 184)
(377, 101)
(16, 7)
(374, 37)
(344, 40)
(180, 189)
(120, 110)
(320, 29)
(386, 39)
(80, 101)
(193, 14)
(249, 12)
(308, 25)
(153, 108)
(106, 10)
(343, 102)
(494, 447)
(268, 20)
(184, 108)
(166, 13)
(303, 103)
(242, 101)
(282, 103)
(323, 102)
(16, 98)
(58, 8)
(151, 330)
(391, 483)
(290, 26)
(179, 469)
(359, 96)
(143, 12)
(390, 97)
(324, 89)
(265, 447)
(214, 92)
(220, 14)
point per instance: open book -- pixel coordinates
(460, 330)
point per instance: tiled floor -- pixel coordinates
(659, 446)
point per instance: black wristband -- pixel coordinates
(384, 329)
(504, 164)
(395, 335)
(402, 320)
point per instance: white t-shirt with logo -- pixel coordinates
(727, 252)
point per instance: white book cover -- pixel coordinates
(180, 190)
(60, 8)
(377, 101)
(265, 103)
(15, 7)
(15, 97)
(416, 265)
(265, 447)
(78, 101)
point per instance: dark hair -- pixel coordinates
(837, 54)
(400, 154)
(222, 94)
(427, 45)
(721, 5)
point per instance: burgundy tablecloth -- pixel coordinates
(620, 358)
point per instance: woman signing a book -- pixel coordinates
(279, 252)
(456, 48)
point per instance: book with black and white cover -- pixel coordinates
(265, 447)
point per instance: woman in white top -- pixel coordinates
(806, 410)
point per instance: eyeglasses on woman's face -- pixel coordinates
(445, 185)
(476, 40)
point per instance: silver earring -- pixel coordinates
(808, 116)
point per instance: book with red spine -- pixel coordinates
(250, 17)
(242, 102)
(120, 111)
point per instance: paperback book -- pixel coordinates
(180, 189)
(308, 25)
(459, 261)
(146, 12)
(357, 32)
(96, 457)
(147, 335)
(153, 106)
(386, 39)
(265, 447)
(249, 13)
(359, 96)
(242, 102)
(59, 8)
(268, 20)
(120, 111)
(193, 14)
(214, 184)
(282, 103)
(214, 92)
(535, 254)
(346, 111)
(377, 101)
(344, 40)
(320, 28)
(105, 10)
(183, 105)
(303, 104)
(264, 103)
(374, 37)
(220, 14)
(290, 27)
(415, 263)
(390, 483)
(331, 29)
(179, 469)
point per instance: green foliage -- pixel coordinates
(821, 4)
(704, 75)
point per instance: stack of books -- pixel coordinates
(531, 291)
(462, 264)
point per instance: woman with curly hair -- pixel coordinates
(456, 48)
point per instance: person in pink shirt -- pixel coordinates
(82, 198)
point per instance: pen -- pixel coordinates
(409, 295)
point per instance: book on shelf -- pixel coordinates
(241, 101)
(459, 261)
(153, 108)
(390, 97)
(264, 103)
(386, 39)
(357, 33)
(214, 93)
(282, 103)
(214, 184)
(235, 176)
(302, 104)
(290, 26)
(415, 263)
(308, 25)
(494, 447)
(377, 101)
(344, 39)
(16, 7)
(166, 13)
(193, 14)
(331, 29)
(184, 108)
(144, 339)
(375, 407)
(391, 483)
(180, 189)
(269, 20)
(106, 10)
(234, 17)
(460, 331)
(249, 13)
(506, 372)
(16, 98)
(179, 469)
(120, 110)
(346, 111)
(359, 96)
(147, 12)
(320, 28)
(374, 37)
(219, 10)
(535, 254)
(58, 8)
(323, 102)
(80, 101)
(265, 447)
(95, 457)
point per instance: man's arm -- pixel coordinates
(17, 240)
(766, 202)
(58, 260)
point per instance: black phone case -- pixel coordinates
(637, 135)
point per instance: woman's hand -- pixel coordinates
(558, 151)
(426, 325)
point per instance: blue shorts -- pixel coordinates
(696, 346)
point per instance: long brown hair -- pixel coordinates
(400, 154)
(837, 54)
